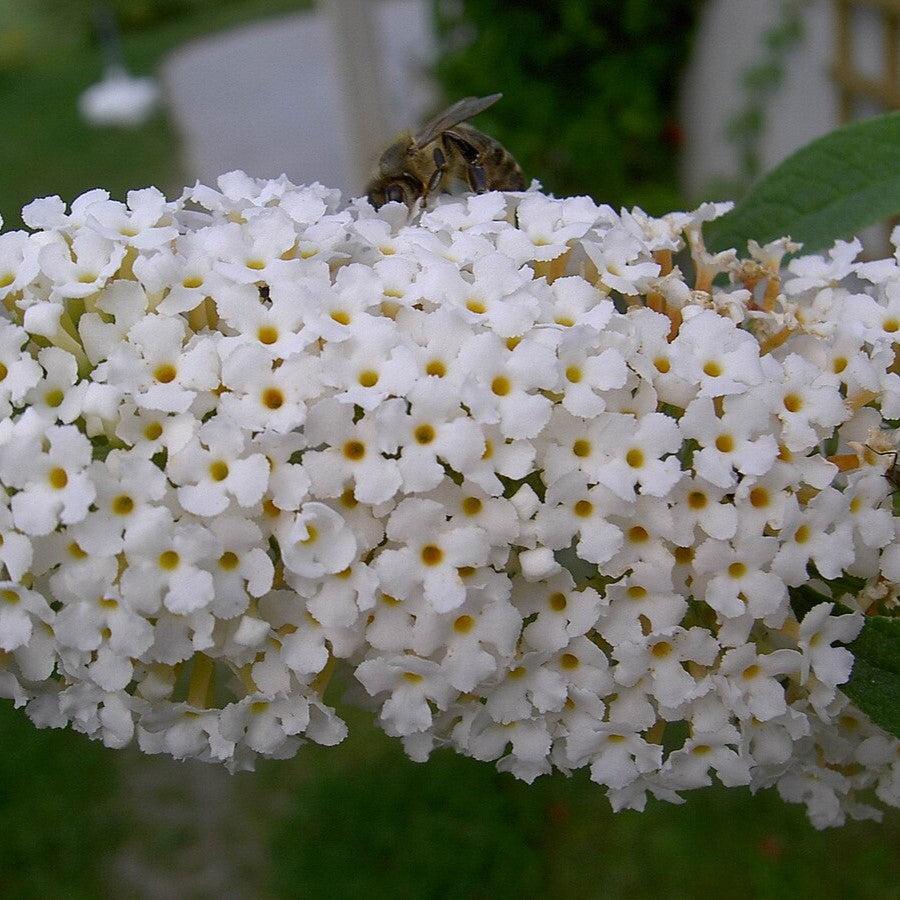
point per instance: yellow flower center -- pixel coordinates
(472, 506)
(697, 500)
(354, 450)
(169, 560)
(54, 398)
(637, 534)
(635, 458)
(581, 448)
(584, 508)
(272, 398)
(432, 555)
(501, 386)
(557, 601)
(165, 373)
(218, 470)
(122, 505)
(725, 443)
(267, 334)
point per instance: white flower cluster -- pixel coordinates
(544, 497)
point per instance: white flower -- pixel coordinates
(251, 438)
(505, 383)
(19, 608)
(748, 681)
(82, 267)
(660, 656)
(808, 398)
(616, 261)
(710, 351)
(818, 631)
(144, 222)
(411, 683)
(316, 541)
(163, 565)
(431, 555)
(18, 262)
(728, 442)
(616, 752)
(573, 509)
(19, 371)
(633, 452)
(53, 485)
(738, 579)
(213, 468)
(820, 534)
(262, 397)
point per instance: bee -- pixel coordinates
(444, 154)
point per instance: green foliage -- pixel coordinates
(56, 822)
(832, 188)
(874, 684)
(589, 89)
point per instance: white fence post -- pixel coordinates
(355, 27)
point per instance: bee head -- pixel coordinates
(398, 188)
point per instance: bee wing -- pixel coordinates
(464, 109)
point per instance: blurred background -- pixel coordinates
(652, 102)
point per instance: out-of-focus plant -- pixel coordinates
(589, 85)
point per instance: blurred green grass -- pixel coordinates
(362, 820)
(58, 821)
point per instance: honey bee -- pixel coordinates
(445, 154)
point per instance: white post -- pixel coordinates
(354, 24)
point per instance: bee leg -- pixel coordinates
(440, 164)
(477, 178)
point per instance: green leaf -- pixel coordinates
(876, 692)
(879, 644)
(832, 188)
(874, 684)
